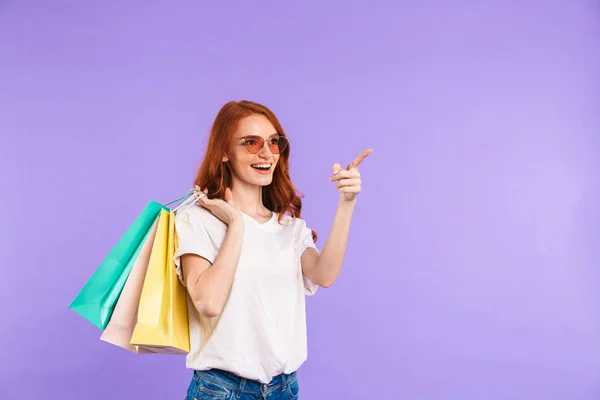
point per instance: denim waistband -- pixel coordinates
(241, 385)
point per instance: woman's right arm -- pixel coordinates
(209, 285)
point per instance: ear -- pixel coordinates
(225, 159)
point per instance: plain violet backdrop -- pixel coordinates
(472, 269)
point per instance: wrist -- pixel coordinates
(346, 206)
(345, 202)
(237, 222)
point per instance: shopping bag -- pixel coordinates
(96, 301)
(124, 317)
(162, 320)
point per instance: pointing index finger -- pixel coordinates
(359, 159)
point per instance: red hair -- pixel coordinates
(215, 175)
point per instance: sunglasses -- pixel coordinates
(254, 144)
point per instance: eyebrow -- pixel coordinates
(271, 135)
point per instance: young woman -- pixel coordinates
(247, 259)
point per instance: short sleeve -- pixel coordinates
(306, 241)
(192, 238)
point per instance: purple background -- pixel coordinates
(472, 268)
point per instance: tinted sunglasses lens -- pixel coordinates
(279, 145)
(254, 143)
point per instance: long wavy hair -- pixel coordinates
(215, 175)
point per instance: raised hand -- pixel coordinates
(225, 210)
(348, 181)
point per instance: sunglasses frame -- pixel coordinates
(255, 137)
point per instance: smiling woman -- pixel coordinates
(247, 259)
(247, 126)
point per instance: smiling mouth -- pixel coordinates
(262, 166)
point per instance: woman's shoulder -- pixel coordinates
(294, 222)
(199, 216)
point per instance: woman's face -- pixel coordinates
(251, 163)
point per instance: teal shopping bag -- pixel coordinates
(97, 300)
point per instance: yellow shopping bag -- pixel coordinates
(162, 320)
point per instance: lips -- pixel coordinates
(262, 166)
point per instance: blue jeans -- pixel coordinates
(222, 385)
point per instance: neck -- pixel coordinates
(248, 198)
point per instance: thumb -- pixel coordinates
(228, 196)
(336, 168)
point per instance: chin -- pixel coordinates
(264, 181)
(257, 181)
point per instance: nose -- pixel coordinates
(264, 150)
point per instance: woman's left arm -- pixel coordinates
(323, 269)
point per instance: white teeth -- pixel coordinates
(262, 166)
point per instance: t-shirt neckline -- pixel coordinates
(259, 222)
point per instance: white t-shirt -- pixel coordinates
(261, 331)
